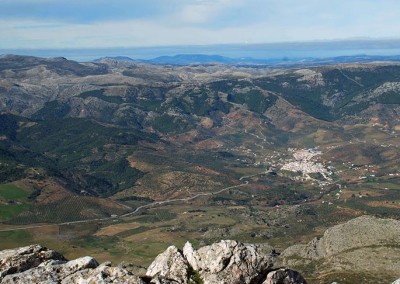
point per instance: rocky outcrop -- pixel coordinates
(222, 262)
(169, 265)
(352, 248)
(103, 274)
(36, 264)
(51, 271)
(361, 232)
(284, 276)
(357, 234)
(230, 262)
(21, 259)
(225, 262)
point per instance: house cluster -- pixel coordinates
(304, 161)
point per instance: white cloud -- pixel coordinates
(202, 11)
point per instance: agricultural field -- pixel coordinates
(122, 166)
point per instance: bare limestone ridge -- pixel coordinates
(268, 153)
(224, 262)
(363, 245)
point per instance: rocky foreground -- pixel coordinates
(224, 262)
(354, 246)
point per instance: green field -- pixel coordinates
(15, 238)
(12, 192)
(11, 210)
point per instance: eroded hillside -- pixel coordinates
(117, 154)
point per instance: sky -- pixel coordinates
(138, 23)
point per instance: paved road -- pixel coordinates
(156, 203)
(150, 205)
(182, 199)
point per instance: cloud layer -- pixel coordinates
(119, 23)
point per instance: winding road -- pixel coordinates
(150, 205)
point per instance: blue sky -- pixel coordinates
(135, 23)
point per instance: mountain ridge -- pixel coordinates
(192, 59)
(84, 144)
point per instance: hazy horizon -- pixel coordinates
(291, 50)
(84, 30)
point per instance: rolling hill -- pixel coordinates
(246, 151)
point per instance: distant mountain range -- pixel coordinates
(274, 51)
(187, 59)
(180, 59)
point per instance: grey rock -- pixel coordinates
(36, 264)
(103, 274)
(51, 271)
(24, 258)
(160, 280)
(223, 262)
(284, 276)
(169, 265)
(360, 232)
(397, 281)
(230, 262)
(351, 247)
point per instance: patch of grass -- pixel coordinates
(12, 192)
(130, 232)
(157, 216)
(109, 244)
(351, 277)
(11, 210)
(194, 277)
(145, 251)
(14, 239)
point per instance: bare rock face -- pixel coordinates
(364, 245)
(24, 258)
(36, 264)
(225, 262)
(103, 274)
(351, 245)
(230, 262)
(169, 265)
(284, 276)
(51, 271)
